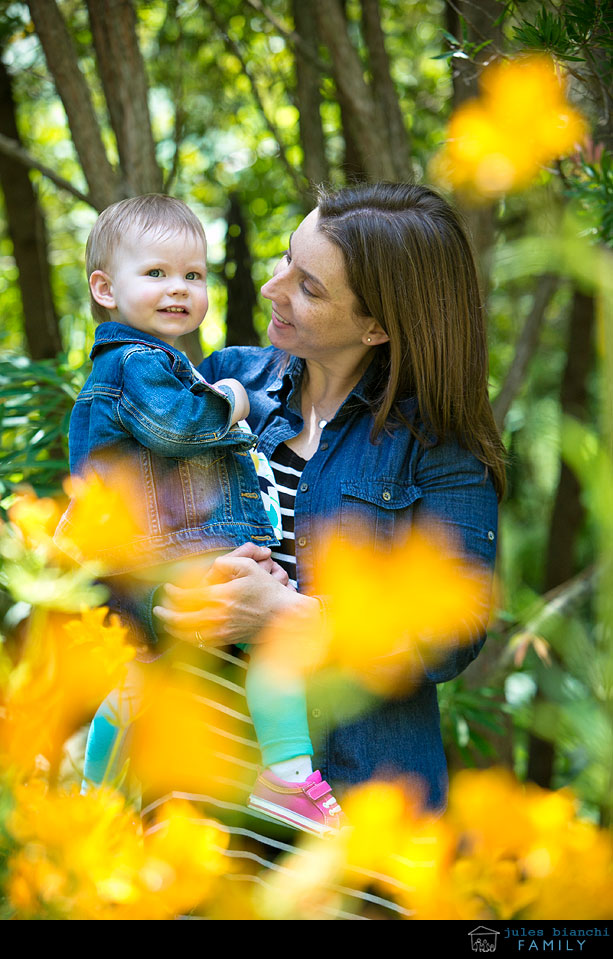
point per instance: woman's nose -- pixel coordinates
(275, 286)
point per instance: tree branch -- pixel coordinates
(526, 346)
(13, 149)
(291, 35)
(298, 181)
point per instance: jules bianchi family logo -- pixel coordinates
(483, 939)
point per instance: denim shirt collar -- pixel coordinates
(111, 332)
(290, 376)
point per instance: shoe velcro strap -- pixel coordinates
(317, 790)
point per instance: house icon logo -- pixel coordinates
(483, 939)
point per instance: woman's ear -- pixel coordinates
(101, 289)
(374, 335)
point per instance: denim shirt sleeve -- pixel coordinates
(458, 497)
(165, 414)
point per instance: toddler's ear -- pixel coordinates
(101, 289)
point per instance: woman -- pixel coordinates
(374, 394)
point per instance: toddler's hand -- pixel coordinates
(241, 400)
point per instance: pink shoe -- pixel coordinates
(309, 806)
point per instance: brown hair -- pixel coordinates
(152, 212)
(410, 266)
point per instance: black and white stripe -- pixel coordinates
(287, 467)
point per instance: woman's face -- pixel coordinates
(313, 309)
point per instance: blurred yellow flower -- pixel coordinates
(35, 519)
(67, 666)
(387, 616)
(183, 742)
(521, 122)
(502, 851)
(100, 524)
(84, 857)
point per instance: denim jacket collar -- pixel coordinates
(116, 333)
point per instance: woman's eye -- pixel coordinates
(306, 290)
(287, 256)
(154, 272)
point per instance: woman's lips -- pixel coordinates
(279, 321)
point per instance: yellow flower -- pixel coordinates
(503, 850)
(388, 616)
(67, 667)
(35, 519)
(101, 525)
(520, 122)
(84, 857)
(181, 741)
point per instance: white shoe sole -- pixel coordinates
(290, 818)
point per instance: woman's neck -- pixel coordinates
(329, 386)
(323, 391)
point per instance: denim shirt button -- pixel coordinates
(304, 487)
(386, 495)
(491, 535)
(316, 713)
(324, 445)
(302, 541)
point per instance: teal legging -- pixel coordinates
(279, 717)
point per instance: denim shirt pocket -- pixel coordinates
(376, 511)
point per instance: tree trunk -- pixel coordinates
(480, 24)
(240, 330)
(308, 97)
(73, 90)
(384, 92)
(568, 512)
(26, 229)
(122, 72)
(363, 120)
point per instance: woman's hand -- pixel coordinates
(237, 599)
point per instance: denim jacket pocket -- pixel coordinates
(375, 511)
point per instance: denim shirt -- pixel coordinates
(384, 488)
(147, 416)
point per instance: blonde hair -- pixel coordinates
(152, 212)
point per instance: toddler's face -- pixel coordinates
(156, 284)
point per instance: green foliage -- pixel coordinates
(568, 29)
(591, 185)
(468, 716)
(36, 400)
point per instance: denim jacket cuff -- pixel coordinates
(228, 392)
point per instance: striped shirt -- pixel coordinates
(287, 467)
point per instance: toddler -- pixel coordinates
(146, 412)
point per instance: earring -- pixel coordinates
(368, 339)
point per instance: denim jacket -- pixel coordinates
(384, 487)
(145, 415)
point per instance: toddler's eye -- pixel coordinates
(192, 275)
(154, 272)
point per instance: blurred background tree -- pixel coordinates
(240, 107)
